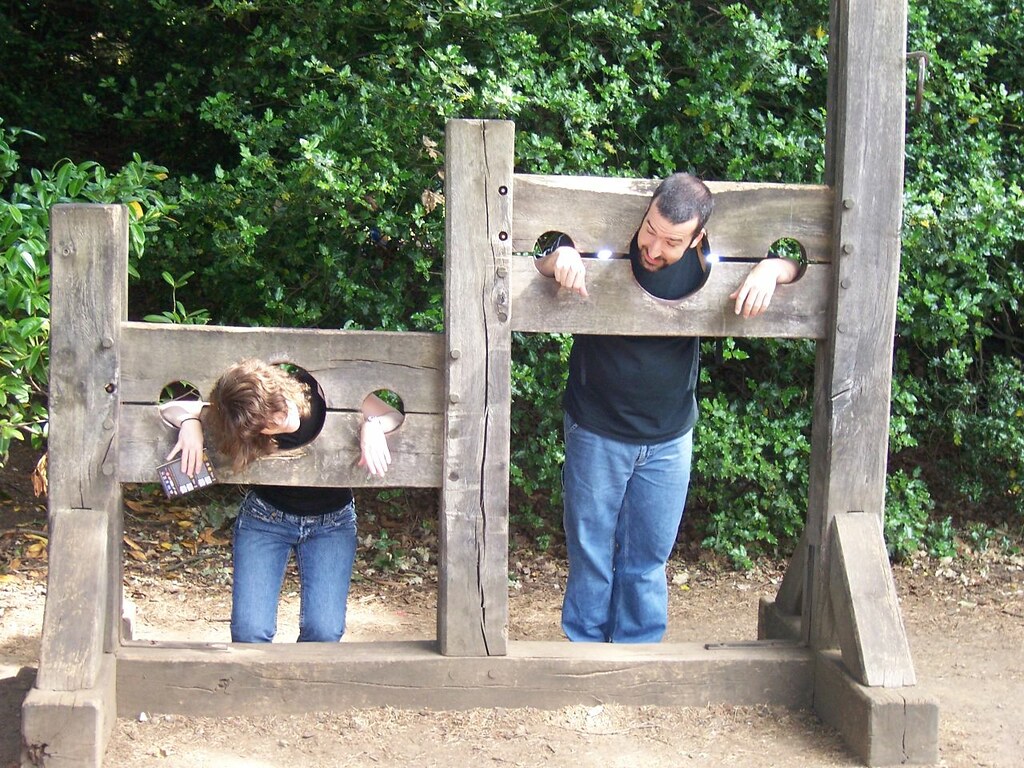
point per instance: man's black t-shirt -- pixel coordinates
(639, 389)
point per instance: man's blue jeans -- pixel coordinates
(623, 506)
(325, 549)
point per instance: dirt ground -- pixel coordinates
(965, 619)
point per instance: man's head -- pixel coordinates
(252, 402)
(674, 222)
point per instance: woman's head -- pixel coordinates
(251, 402)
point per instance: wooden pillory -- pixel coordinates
(832, 640)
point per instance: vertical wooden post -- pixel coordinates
(473, 580)
(70, 711)
(850, 436)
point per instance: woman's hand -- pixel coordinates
(373, 445)
(189, 445)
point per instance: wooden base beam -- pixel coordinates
(219, 680)
(69, 728)
(882, 726)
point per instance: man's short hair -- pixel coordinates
(682, 196)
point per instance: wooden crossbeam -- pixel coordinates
(287, 679)
(599, 212)
(617, 305)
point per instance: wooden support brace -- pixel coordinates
(780, 618)
(74, 620)
(70, 728)
(865, 606)
(882, 726)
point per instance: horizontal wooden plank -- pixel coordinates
(330, 460)
(600, 212)
(348, 364)
(293, 678)
(617, 305)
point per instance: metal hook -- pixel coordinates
(922, 69)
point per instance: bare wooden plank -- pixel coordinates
(88, 301)
(473, 582)
(865, 606)
(853, 377)
(883, 726)
(74, 618)
(791, 591)
(286, 679)
(70, 728)
(617, 305)
(605, 212)
(330, 460)
(348, 364)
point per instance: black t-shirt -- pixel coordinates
(297, 499)
(639, 389)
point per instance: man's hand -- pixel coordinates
(756, 291)
(565, 265)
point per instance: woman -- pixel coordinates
(254, 410)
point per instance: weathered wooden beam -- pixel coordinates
(70, 728)
(850, 433)
(473, 580)
(882, 726)
(286, 679)
(330, 460)
(617, 305)
(88, 302)
(598, 212)
(348, 364)
(869, 626)
(74, 618)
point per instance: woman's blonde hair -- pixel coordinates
(244, 402)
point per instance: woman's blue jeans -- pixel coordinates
(623, 506)
(325, 549)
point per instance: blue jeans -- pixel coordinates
(325, 549)
(623, 506)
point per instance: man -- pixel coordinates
(630, 407)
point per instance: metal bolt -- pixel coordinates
(453, 476)
(453, 398)
(502, 271)
(108, 423)
(848, 203)
(108, 470)
(848, 248)
(845, 282)
(455, 354)
(840, 328)
(107, 342)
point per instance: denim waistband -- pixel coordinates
(253, 500)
